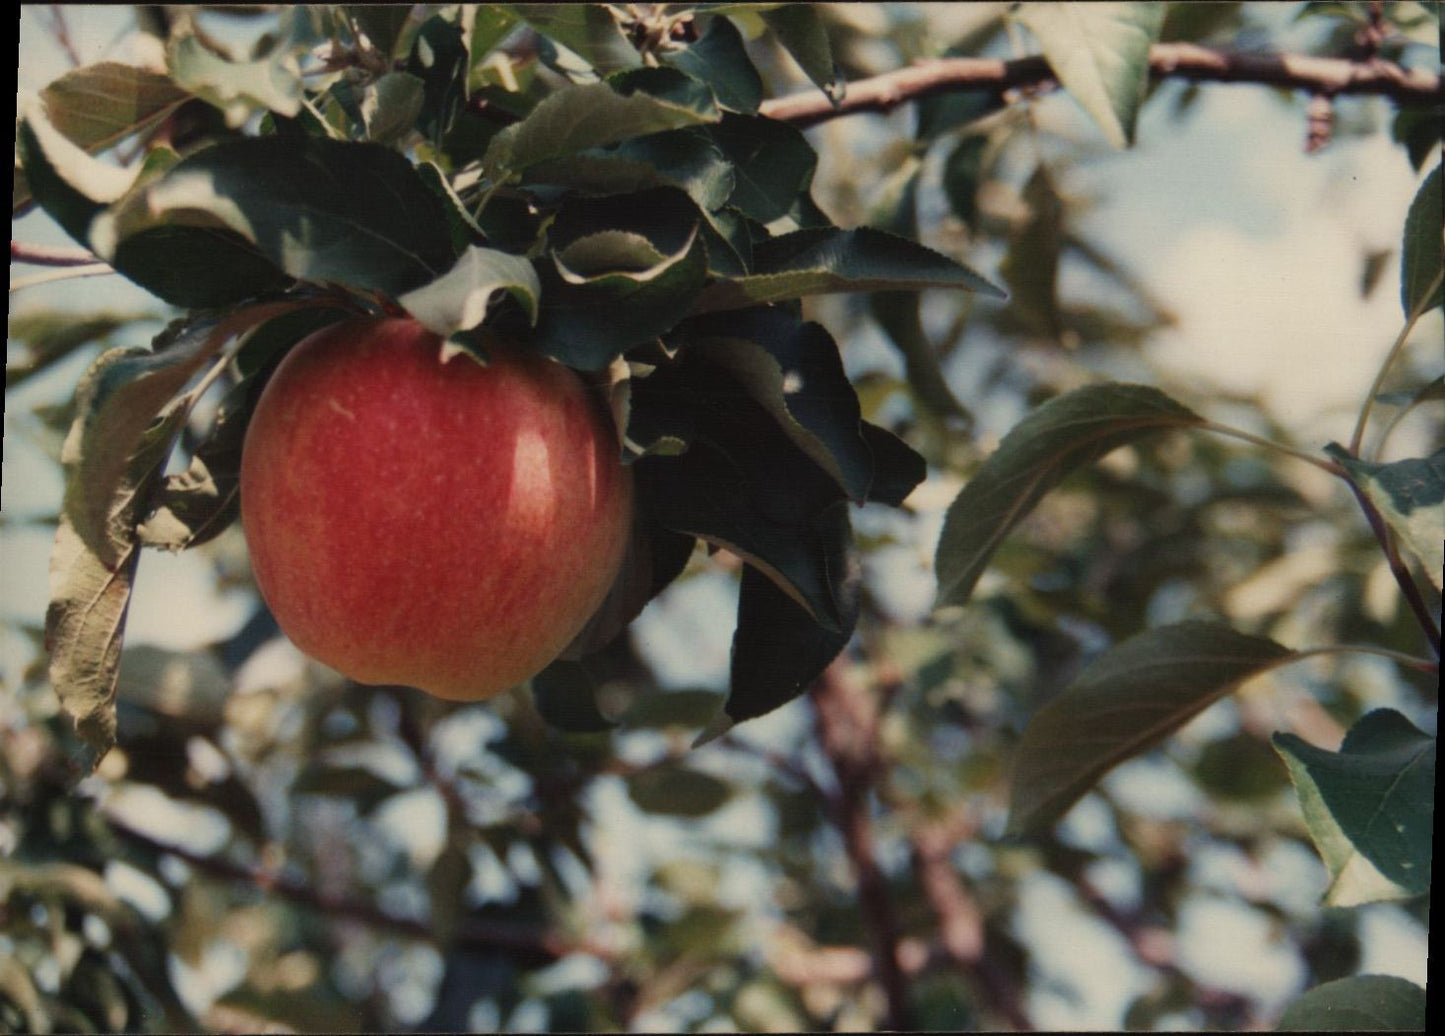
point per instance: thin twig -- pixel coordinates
(93, 270)
(1403, 579)
(61, 31)
(1186, 61)
(50, 255)
(1422, 306)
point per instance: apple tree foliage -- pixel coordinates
(619, 188)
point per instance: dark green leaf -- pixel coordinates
(197, 267)
(583, 117)
(439, 59)
(1419, 130)
(1370, 807)
(796, 373)
(778, 649)
(382, 24)
(677, 791)
(70, 185)
(588, 30)
(1360, 1003)
(897, 312)
(799, 29)
(1421, 268)
(360, 785)
(819, 261)
(654, 558)
(1031, 267)
(1128, 700)
(1058, 438)
(898, 469)
(962, 177)
(772, 161)
(720, 60)
(672, 709)
(1410, 494)
(1100, 52)
(623, 269)
(566, 697)
(680, 158)
(943, 113)
(388, 108)
(321, 210)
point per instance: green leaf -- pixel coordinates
(91, 577)
(677, 791)
(821, 261)
(588, 30)
(50, 335)
(68, 183)
(97, 106)
(117, 401)
(688, 708)
(1360, 1003)
(898, 469)
(680, 158)
(1419, 130)
(801, 33)
(197, 267)
(963, 176)
(1058, 438)
(1126, 701)
(719, 59)
(583, 117)
(794, 370)
(389, 106)
(1100, 53)
(321, 210)
(1410, 494)
(1031, 267)
(1420, 270)
(778, 649)
(566, 697)
(1370, 807)
(439, 59)
(458, 299)
(382, 23)
(773, 164)
(624, 269)
(237, 88)
(741, 483)
(898, 312)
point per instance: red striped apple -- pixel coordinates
(449, 526)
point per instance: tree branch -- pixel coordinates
(1188, 61)
(50, 255)
(848, 729)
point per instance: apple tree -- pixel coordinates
(1036, 651)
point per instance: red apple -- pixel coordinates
(444, 525)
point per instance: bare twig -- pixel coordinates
(61, 31)
(50, 255)
(470, 932)
(1187, 61)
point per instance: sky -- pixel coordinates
(1254, 245)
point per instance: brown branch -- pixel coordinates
(847, 720)
(1187, 61)
(470, 932)
(50, 255)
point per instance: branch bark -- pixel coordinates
(1187, 61)
(847, 721)
(51, 255)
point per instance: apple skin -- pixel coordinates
(443, 525)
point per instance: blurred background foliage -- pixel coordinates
(272, 848)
